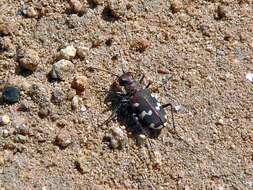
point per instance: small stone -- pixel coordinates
(11, 94)
(28, 59)
(63, 139)
(220, 122)
(67, 53)
(114, 10)
(5, 133)
(114, 143)
(44, 111)
(30, 12)
(75, 103)
(83, 108)
(22, 129)
(77, 7)
(24, 106)
(221, 12)
(83, 164)
(140, 44)
(62, 70)
(249, 77)
(20, 138)
(6, 27)
(79, 83)
(142, 136)
(4, 120)
(58, 96)
(176, 5)
(118, 132)
(82, 52)
(39, 94)
(5, 44)
(177, 108)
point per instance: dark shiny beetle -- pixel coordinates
(139, 103)
(146, 109)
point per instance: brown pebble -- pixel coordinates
(6, 27)
(77, 6)
(176, 5)
(221, 12)
(28, 59)
(140, 44)
(63, 139)
(79, 83)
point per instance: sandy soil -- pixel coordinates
(205, 45)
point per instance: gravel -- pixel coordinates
(62, 70)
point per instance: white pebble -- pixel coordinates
(142, 136)
(75, 103)
(118, 132)
(68, 52)
(249, 76)
(178, 108)
(4, 119)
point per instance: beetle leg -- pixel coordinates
(141, 79)
(147, 86)
(114, 112)
(172, 113)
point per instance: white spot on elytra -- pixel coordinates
(136, 104)
(158, 105)
(144, 113)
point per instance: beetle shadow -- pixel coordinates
(124, 114)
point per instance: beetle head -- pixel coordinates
(126, 79)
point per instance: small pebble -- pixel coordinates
(83, 164)
(67, 53)
(24, 106)
(82, 52)
(11, 94)
(220, 122)
(221, 12)
(118, 132)
(20, 138)
(22, 129)
(79, 83)
(142, 136)
(140, 44)
(176, 5)
(5, 44)
(5, 133)
(83, 108)
(75, 103)
(6, 27)
(28, 59)
(77, 7)
(177, 108)
(58, 96)
(30, 12)
(38, 93)
(249, 77)
(4, 120)
(114, 143)
(63, 139)
(62, 70)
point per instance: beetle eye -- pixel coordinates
(123, 82)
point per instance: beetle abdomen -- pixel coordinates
(149, 110)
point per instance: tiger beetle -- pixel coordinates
(144, 107)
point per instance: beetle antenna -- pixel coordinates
(104, 70)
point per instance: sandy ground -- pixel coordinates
(205, 45)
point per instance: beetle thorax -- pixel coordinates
(127, 81)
